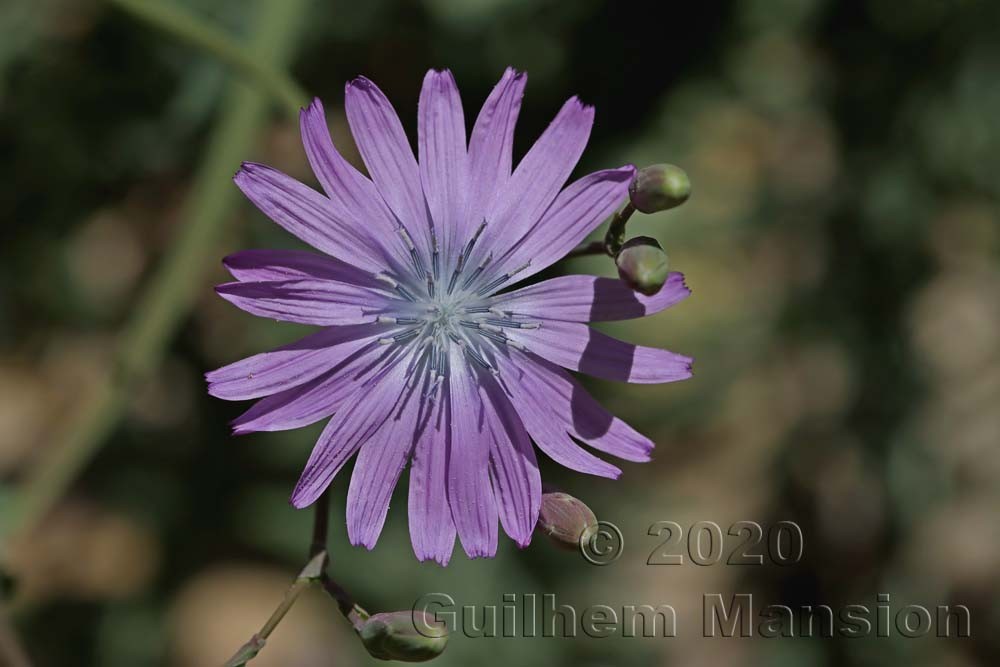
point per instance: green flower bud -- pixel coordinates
(659, 187)
(565, 520)
(395, 636)
(643, 265)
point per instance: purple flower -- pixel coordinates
(422, 357)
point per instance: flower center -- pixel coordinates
(438, 314)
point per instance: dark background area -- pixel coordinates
(841, 244)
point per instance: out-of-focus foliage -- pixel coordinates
(841, 243)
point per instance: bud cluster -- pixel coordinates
(641, 261)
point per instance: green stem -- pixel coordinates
(321, 522)
(612, 241)
(314, 571)
(291, 595)
(170, 18)
(353, 612)
(345, 602)
(584, 249)
(615, 237)
(306, 578)
(175, 286)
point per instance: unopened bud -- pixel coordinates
(565, 519)
(643, 265)
(395, 636)
(659, 187)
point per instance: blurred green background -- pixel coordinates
(841, 243)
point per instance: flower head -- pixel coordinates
(425, 356)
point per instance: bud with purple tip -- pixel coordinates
(565, 520)
(643, 265)
(394, 636)
(659, 187)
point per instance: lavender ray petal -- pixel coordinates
(444, 169)
(255, 266)
(544, 428)
(386, 151)
(576, 212)
(345, 433)
(307, 215)
(578, 347)
(432, 531)
(491, 148)
(539, 176)
(354, 196)
(321, 302)
(470, 495)
(320, 397)
(379, 465)
(291, 365)
(577, 412)
(581, 298)
(514, 472)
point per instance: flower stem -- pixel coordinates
(307, 576)
(174, 287)
(290, 596)
(351, 610)
(612, 241)
(345, 602)
(175, 20)
(313, 572)
(615, 237)
(321, 521)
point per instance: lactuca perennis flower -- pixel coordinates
(423, 356)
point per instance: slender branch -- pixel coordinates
(345, 602)
(615, 237)
(169, 17)
(313, 572)
(352, 611)
(173, 289)
(309, 574)
(612, 241)
(321, 522)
